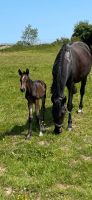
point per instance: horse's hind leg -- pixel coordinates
(82, 92)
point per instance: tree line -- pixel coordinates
(82, 32)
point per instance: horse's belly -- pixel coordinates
(81, 73)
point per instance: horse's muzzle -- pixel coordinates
(22, 89)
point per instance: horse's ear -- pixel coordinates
(27, 71)
(64, 100)
(20, 72)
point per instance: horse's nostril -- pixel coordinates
(22, 90)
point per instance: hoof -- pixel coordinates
(57, 131)
(40, 134)
(80, 111)
(28, 137)
(69, 129)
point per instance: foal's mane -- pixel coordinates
(56, 72)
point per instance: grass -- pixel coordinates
(50, 167)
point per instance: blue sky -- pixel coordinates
(53, 18)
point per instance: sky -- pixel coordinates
(53, 18)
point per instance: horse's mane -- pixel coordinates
(57, 67)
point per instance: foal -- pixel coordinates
(34, 92)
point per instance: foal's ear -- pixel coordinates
(27, 71)
(64, 100)
(20, 72)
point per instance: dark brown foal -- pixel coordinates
(35, 91)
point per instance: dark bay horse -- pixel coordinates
(72, 65)
(35, 91)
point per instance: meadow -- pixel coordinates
(52, 167)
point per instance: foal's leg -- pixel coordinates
(69, 107)
(43, 108)
(40, 115)
(82, 92)
(30, 120)
(37, 110)
(42, 129)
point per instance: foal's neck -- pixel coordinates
(29, 85)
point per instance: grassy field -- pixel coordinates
(49, 167)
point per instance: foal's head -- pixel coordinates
(24, 77)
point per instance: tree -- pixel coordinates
(61, 41)
(83, 30)
(30, 35)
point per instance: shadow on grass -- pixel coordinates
(22, 130)
(15, 131)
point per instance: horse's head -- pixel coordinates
(24, 76)
(58, 112)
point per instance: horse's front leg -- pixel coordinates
(39, 118)
(69, 107)
(30, 120)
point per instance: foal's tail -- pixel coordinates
(45, 90)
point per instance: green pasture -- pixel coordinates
(50, 167)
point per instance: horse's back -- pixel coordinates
(39, 89)
(83, 51)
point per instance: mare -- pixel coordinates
(72, 65)
(35, 91)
